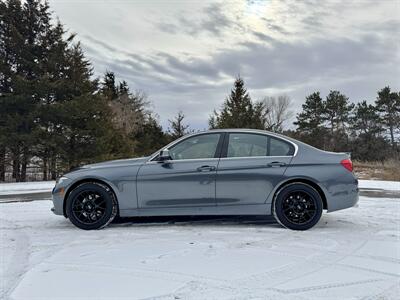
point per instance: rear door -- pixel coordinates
(251, 165)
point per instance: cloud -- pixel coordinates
(186, 56)
(212, 21)
(263, 37)
(281, 65)
(271, 24)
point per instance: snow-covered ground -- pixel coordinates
(377, 184)
(350, 254)
(26, 187)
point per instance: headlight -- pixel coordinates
(61, 179)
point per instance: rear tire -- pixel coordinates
(91, 205)
(297, 206)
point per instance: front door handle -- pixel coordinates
(206, 169)
(276, 164)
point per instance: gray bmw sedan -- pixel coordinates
(217, 172)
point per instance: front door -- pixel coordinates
(188, 179)
(250, 167)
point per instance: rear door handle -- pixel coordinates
(276, 164)
(206, 169)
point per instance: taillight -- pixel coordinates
(347, 164)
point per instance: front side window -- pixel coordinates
(253, 145)
(247, 145)
(200, 146)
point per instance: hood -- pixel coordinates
(112, 164)
(117, 163)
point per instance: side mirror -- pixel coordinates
(164, 155)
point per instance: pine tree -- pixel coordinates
(150, 138)
(368, 143)
(388, 106)
(337, 111)
(24, 27)
(310, 122)
(86, 121)
(123, 88)
(109, 88)
(238, 111)
(52, 91)
(365, 120)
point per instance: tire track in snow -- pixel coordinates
(369, 270)
(19, 262)
(325, 286)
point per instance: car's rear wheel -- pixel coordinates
(91, 205)
(297, 206)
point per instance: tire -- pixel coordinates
(91, 205)
(297, 206)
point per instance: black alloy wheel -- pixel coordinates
(88, 207)
(91, 205)
(298, 206)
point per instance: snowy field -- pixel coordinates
(350, 254)
(26, 187)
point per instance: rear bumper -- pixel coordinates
(344, 196)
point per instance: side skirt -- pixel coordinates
(256, 209)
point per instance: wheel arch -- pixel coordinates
(305, 181)
(86, 180)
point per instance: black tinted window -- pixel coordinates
(280, 148)
(245, 145)
(250, 145)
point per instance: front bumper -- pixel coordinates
(58, 204)
(58, 196)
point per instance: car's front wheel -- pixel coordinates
(91, 205)
(297, 206)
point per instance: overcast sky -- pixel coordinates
(186, 54)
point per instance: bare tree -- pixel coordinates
(277, 112)
(129, 111)
(178, 128)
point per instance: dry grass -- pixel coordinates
(387, 170)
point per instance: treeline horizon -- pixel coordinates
(55, 115)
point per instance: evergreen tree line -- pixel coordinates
(54, 114)
(370, 132)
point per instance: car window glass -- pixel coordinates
(280, 148)
(245, 145)
(200, 146)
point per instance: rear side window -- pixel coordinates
(247, 145)
(253, 145)
(280, 148)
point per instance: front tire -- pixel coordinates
(297, 206)
(91, 205)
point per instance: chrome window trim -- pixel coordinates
(182, 160)
(253, 157)
(256, 131)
